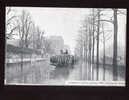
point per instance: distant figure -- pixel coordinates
(66, 51)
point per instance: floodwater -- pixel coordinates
(41, 72)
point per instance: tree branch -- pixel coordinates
(12, 30)
(8, 21)
(110, 21)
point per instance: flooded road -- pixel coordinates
(41, 72)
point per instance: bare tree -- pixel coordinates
(33, 35)
(115, 73)
(39, 38)
(24, 24)
(23, 33)
(98, 32)
(47, 46)
(28, 23)
(114, 22)
(115, 25)
(90, 31)
(115, 45)
(105, 38)
(11, 23)
(93, 40)
(93, 32)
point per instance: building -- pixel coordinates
(57, 43)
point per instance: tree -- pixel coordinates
(47, 46)
(24, 24)
(115, 73)
(28, 23)
(11, 23)
(93, 40)
(114, 22)
(98, 32)
(91, 30)
(103, 53)
(105, 38)
(24, 21)
(115, 25)
(39, 38)
(33, 36)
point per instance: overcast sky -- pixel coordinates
(63, 21)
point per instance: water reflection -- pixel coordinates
(36, 73)
(42, 72)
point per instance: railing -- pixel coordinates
(18, 60)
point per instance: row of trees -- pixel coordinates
(29, 35)
(23, 27)
(93, 32)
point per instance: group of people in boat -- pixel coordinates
(64, 59)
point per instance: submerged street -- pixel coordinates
(41, 72)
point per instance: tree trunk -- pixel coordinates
(103, 57)
(81, 51)
(86, 58)
(22, 62)
(115, 74)
(103, 52)
(93, 47)
(90, 71)
(97, 67)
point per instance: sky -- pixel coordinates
(64, 22)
